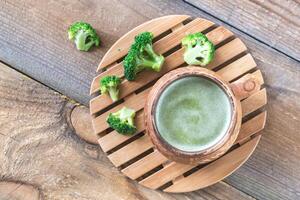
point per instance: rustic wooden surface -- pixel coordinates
(38, 147)
(33, 41)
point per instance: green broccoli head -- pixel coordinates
(122, 121)
(142, 56)
(84, 35)
(198, 49)
(110, 84)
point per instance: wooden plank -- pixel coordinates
(228, 162)
(252, 127)
(42, 151)
(275, 22)
(248, 105)
(132, 150)
(165, 175)
(227, 52)
(144, 165)
(234, 69)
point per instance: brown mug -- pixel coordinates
(235, 92)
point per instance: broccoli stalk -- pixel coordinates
(109, 84)
(198, 49)
(84, 35)
(142, 56)
(122, 121)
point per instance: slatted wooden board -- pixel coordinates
(135, 155)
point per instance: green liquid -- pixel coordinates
(193, 113)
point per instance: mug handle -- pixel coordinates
(245, 86)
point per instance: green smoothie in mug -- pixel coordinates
(193, 113)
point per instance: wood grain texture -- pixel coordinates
(81, 121)
(38, 147)
(18, 191)
(275, 22)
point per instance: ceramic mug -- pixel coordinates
(235, 92)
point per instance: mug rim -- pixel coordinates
(165, 147)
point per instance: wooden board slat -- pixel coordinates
(216, 170)
(252, 127)
(227, 52)
(250, 104)
(238, 67)
(144, 165)
(165, 175)
(130, 151)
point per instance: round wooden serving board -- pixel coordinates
(135, 155)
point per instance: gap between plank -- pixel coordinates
(32, 78)
(251, 36)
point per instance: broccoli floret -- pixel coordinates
(198, 49)
(142, 56)
(109, 84)
(122, 121)
(84, 35)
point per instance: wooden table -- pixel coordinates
(43, 79)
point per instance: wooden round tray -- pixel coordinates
(135, 155)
